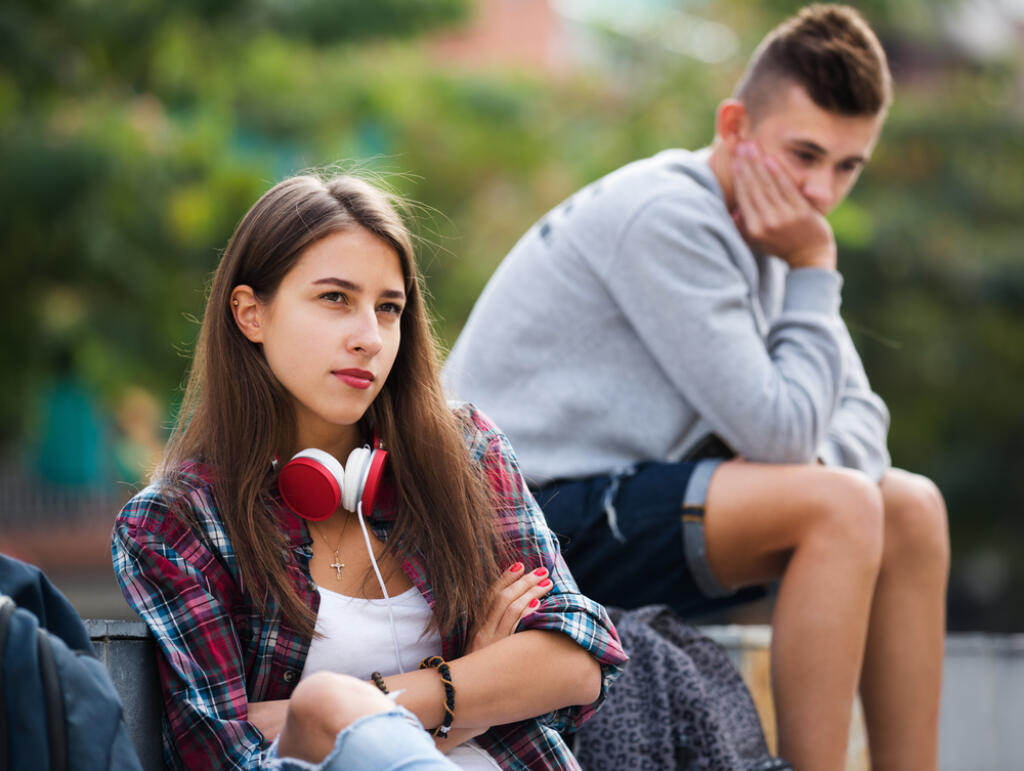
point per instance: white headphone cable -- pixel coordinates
(380, 580)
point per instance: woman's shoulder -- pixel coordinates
(470, 416)
(160, 506)
(478, 431)
(489, 448)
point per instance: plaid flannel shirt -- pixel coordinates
(217, 652)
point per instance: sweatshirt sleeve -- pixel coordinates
(857, 435)
(678, 277)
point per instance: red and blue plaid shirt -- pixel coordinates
(217, 652)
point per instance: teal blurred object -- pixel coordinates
(75, 447)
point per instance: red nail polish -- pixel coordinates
(516, 568)
(540, 572)
(534, 602)
(545, 583)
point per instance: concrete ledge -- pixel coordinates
(983, 702)
(128, 651)
(982, 699)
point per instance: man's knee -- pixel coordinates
(775, 512)
(849, 514)
(916, 524)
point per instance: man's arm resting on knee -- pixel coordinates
(857, 434)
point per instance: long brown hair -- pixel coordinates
(236, 416)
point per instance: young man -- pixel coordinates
(684, 310)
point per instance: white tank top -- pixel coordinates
(357, 641)
(357, 635)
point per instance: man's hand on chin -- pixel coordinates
(772, 215)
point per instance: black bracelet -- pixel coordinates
(378, 680)
(438, 663)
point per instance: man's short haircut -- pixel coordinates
(831, 52)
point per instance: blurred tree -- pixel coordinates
(132, 137)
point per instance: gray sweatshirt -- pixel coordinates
(633, 320)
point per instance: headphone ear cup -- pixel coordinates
(363, 471)
(312, 483)
(374, 475)
(356, 466)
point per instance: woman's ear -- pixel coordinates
(248, 312)
(732, 123)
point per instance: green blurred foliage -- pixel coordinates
(134, 136)
(937, 297)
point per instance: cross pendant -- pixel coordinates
(337, 564)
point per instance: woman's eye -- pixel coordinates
(390, 308)
(804, 158)
(334, 297)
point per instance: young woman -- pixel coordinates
(315, 336)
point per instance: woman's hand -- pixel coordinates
(268, 717)
(515, 594)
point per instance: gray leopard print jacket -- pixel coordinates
(680, 704)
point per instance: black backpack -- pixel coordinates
(59, 709)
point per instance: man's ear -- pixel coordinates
(732, 123)
(248, 312)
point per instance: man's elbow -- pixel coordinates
(779, 445)
(797, 455)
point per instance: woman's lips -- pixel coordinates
(357, 378)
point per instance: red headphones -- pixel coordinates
(313, 482)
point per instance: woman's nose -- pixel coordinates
(366, 338)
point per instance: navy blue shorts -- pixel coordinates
(637, 537)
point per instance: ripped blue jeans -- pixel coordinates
(386, 741)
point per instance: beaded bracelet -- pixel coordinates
(378, 680)
(438, 663)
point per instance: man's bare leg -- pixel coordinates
(901, 681)
(820, 530)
